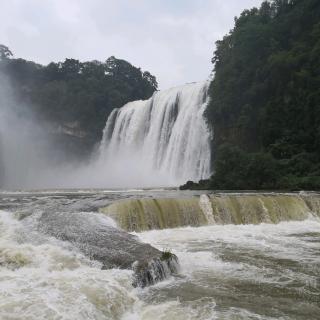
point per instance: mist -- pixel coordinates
(31, 159)
(28, 156)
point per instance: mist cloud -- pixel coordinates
(30, 157)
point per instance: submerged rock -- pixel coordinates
(98, 238)
(147, 273)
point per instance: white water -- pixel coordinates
(256, 272)
(160, 141)
(41, 278)
(227, 272)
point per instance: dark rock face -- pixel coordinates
(97, 238)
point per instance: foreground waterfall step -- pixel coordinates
(166, 138)
(147, 214)
(100, 241)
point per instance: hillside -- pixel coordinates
(265, 99)
(74, 98)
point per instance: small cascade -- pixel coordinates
(312, 201)
(147, 214)
(256, 208)
(206, 207)
(147, 273)
(163, 140)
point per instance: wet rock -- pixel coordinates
(98, 238)
(147, 273)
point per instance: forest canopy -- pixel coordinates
(79, 95)
(265, 99)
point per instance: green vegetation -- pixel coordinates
(166, 255)
(74, 95)
(265, 99)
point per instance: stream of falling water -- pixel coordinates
(265, 271)
(164, 140)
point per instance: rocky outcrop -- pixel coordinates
(98, 239)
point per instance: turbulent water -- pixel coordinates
(163, 140)
(264, 271)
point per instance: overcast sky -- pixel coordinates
(173, 39)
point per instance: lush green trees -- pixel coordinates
(265, 99)
(79, 95)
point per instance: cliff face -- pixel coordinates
(72, 141)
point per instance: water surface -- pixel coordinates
(227, 272)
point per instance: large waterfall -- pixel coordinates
(160, 141)
(163, 141)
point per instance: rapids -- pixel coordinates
(261, 272)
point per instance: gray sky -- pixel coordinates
(173, 39)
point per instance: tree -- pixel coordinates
(80, 94)
(151, 79)
(5, 52)
(265, 98)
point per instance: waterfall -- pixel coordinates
(147, 214)
(164, 140)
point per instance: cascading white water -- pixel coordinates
(165, 138)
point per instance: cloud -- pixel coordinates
(173, 39)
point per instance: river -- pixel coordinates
(252, 271)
